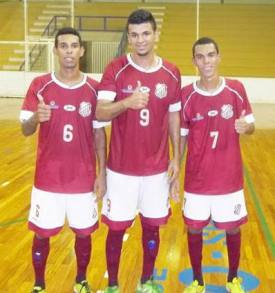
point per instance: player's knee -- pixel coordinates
(233, 231)
(82, 236)
(114, 243)
(148, 227)
(194, 230)
(116, 233)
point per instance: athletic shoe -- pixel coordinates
(235, 286)
(82, 287)
(194, 287)
(148, 287)
(112, 289)
(38, 289)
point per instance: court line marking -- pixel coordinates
(259, 211)
(15, 221)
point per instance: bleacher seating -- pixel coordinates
(245, 33)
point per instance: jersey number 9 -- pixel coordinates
(144, 115)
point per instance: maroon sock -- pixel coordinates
(150, 243)
(195, 254)
(40, 252)
(233, 242)
(83, 247)
(113, 251)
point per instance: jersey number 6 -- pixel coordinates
(68, 132)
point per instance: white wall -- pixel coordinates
(15, 84)
(193, 1)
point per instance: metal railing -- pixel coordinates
(82, 23)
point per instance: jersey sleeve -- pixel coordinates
(184, 121)
(249, 117)
(100, 124)
(30, 102)
(175, 104)
(107, 86)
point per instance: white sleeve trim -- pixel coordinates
(25, 115)
(175, 107)
(106, 95)
(249, 118)
(184, 131)
(100, 124)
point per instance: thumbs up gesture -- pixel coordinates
(43, 111)
(241, 125)
(139, 98)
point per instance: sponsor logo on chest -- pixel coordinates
(69, 108)
(226, 112)
(128, 90)
(161, 90)
(53, 105)
(198, 117)
(85, 108)
(212, 113)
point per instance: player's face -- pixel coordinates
(142, 38)
(69, 51)
(207, 60)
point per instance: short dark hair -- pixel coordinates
(141, 16)
(204, 41)
(67, 31)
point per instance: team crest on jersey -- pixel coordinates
(227, 111)
(85, 109)
(161, 90)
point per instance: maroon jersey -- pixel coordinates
(139, 138)
(66, 160)
(213, 163)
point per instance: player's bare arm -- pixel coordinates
(107, 110)
(173, 168)
(183, 142)
(42, 114)
(100, 148)
(242, 126)
(174, 133)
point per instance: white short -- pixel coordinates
(49, 211)
(227, 211)
(126, 195)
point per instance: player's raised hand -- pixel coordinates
(43, 112)
(139, 98)
(241, 125)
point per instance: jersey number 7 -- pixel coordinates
(215, 135)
